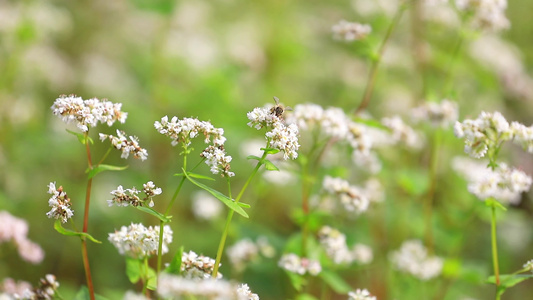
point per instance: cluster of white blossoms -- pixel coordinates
(359, 294)
(280, 136)
(60, 204)
(45, 290)
(489, 130)
(184, 130)
(412, 258)
(121, 142)
(334, 243)
(177, 287)
(352, 198)
(13, 229)
(137, 241)
(487, 14)
(503, 183)
(87, 113)
(246, 251)
(299, 265)
(197, 266)
(349, 31)
(128, 197)
(441, 114)
(529, 265)
(401, 132)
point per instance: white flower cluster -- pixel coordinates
(359, 294)
(60, 204)
(46, 289)
(489, 130)
(197, 266)
(334, 243)
(299, 265)
(246, 250)
(177, 287)
(87, 113)
(529, 265)
(16, 230)
(503, 184)
(120, 142)
(401, 132)
(438, 114)
(127, 197)
(280, 136)
(137, 241)
(349, 31)
(412, 258)
(182, 131)
(244, 293)
(488, 14)
(352, 198)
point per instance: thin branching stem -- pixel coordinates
(85, 255)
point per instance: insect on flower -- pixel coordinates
(278, 109)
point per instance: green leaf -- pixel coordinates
(81, 137)
(226, 200)
(133, 269)
(154, 213)
(305, 297)
(296, 280)
(270, 150)
(194, 175)
(175, 265)
(152, 280)
(495, 203)
(507, 281)
(270, 166)
(242, 204)
(59, 228)
(83, 294)
(254, 157)
(100, 168)
(335, 282)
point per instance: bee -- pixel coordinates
(278, 109)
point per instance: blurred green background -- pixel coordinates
(217, 60)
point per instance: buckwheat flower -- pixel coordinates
(244, 293)
(137, 241)
(126, 197)
(503, 184)
(30, 251)
(529, 265)
(523, 136)
(150, 190)
(484, 133)
(412, 258)
(60, 204)
(306, 116)
(401, 132)
(438, 114)
(348, 31)
(205, 206)
(362, 254)
(130, 295)
(197, 266)
(87, 113)
(45, 290)
(14, 288)
(285, 138)
(351, 197)
(177, 287)
(334, 243)
(131, 146)
(216, 158)
(262, 117)
(241, 253)
(266, 249)
(13, 229)
(182, 131)
(488, 14)
(359, 294)
(293, 263)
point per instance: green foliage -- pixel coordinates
(59, 228)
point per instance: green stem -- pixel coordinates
(145, 277)
(105, 156)
(220, 250)
(376, 61)
(85, 255)
(495, 248)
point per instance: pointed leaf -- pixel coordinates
(335, 282)
(507, 281)
(270, 150)
(152, 280)
(133, 269)
(59, 228)
(81, 137)
(100, 168)
(175, 265)
(253, 157)
(194, 175)
(226, 200)
(154, 213)
(245, 205)
(270, 166)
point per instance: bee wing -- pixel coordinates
(288, 108)
(277, 100)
